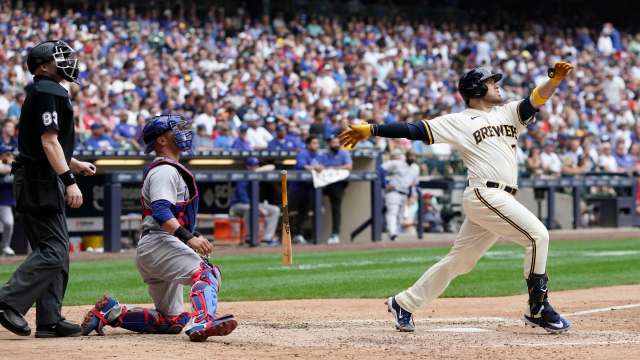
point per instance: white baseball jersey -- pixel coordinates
(486, 141)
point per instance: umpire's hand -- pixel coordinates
(74, 196)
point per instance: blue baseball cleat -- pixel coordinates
(403, 317)
(547, 319)
(201, 330)
(96, 318)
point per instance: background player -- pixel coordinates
(486, 136)
(165, 256)
(401, 176)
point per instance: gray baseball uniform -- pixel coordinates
(164, 262)
(401, 176)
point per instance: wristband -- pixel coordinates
(537, 98)
(196, 233)
(67, 178)
(183, 234)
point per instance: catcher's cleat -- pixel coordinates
(404, 318)
(200, 331)
(96, 318)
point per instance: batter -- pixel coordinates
(486, 136)
(166, 255)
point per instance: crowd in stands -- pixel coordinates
(254, 83)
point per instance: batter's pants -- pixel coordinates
(491, 213)
(271, 220)
(42, 277)
(395, 203)
(6, 218)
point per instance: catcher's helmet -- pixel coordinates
(165, 123)
(59, 51)
(470, 85)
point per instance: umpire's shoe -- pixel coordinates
(64, 328)
(403, 317)
(13, 321)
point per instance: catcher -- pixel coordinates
(170, 253)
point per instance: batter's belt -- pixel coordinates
(476, 183)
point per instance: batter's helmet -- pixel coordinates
(470, 85)
(59, 51)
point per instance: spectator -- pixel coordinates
(241, 143)
(399, 177)
(241, 206)
(16, 108)
(125, 132)
(301, 193)
(430, 217)
(91, 116)
(99, 140)
(8, 132)
(257, 135)
(281, 141)
(207, 118)
(7, 201)
(224, 140)
(550, 161)
(623, 159)
(338, 159)
(607, 162)
(534, 163)
(201, 139)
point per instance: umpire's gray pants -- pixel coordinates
(166, 264)
(6, 218)
(271, 220)
(395, 203)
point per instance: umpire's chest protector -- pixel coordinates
(184, 212)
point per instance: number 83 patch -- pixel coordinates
(48, 118)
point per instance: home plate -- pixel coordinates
(461, 330)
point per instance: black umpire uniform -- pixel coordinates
(40, 196)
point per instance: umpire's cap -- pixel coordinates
(470, 85)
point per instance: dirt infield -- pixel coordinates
(460, 328)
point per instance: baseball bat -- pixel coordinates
(287, 258)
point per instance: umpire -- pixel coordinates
(42, 177)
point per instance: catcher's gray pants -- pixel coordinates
(395, 203)
(166, 264)
(6, 218)
(271, 220)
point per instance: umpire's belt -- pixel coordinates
(475, 183)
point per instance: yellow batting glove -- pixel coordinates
(559, 71)
(350, 138)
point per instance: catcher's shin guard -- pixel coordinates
(109, 312)
(539, 312)
(205, 284)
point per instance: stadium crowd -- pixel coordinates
(263, 83)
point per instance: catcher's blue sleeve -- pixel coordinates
(161, 211)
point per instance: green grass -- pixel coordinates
(370, 273)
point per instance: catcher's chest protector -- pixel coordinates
(185, 212)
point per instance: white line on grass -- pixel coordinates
(602, 310)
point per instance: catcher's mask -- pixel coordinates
(163, 123)
(62, 54)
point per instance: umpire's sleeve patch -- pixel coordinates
(47, 119)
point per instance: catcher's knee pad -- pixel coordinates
(538, 297)
(150, 321)
(205, 284)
